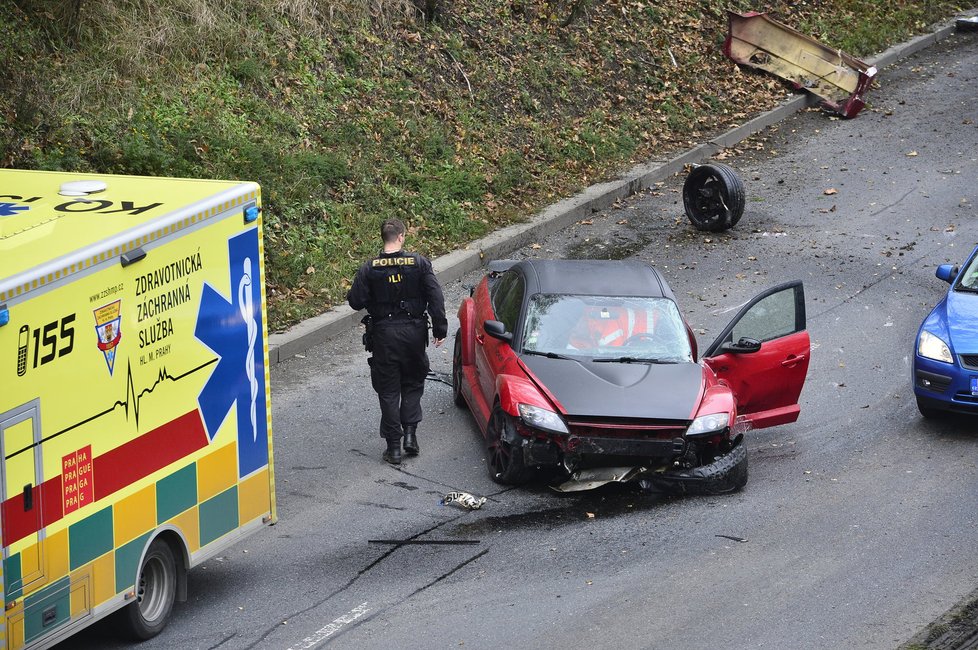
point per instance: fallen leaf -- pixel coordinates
(536, 246)
(831, 191)
(310, 270)
(911, 154)
(590, 515)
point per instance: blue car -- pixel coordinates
(945, 362)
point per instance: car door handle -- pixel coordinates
(480, 339)
(793, 361)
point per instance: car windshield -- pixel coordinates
(969, 279)
(606, 327)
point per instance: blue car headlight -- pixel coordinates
(540, 418)
(713, 423)
(932, 347)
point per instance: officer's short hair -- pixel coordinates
(391, 230)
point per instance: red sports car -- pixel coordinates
(587, 372)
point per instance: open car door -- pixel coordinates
(762, 355)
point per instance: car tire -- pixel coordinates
(457, 395)
(739, 476)
(713, 197)
(156, 591)
(928, 412)
(504, 459)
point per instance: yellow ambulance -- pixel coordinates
(135, 414)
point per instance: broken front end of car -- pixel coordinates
(702, 456)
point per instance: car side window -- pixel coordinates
(508, 298)
(500, 287)
(771, 318)
(969, 279)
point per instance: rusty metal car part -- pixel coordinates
(838, 79)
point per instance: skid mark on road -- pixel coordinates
(383, 556)
(327, 631)
(341, 623)
(448, 574)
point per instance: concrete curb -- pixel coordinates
(566, 212)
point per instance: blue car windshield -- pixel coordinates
(606, 327)
(969, 279)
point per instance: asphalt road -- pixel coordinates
(858, 524)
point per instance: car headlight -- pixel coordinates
(932, 347)
(708, 424)
(540, 418)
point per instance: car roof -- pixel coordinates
(593, 278)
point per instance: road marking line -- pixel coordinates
(324, 633)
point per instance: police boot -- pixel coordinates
(393, 453)
(411, 440)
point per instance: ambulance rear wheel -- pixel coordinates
(156, 590)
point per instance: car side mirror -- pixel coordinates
(743, 345)
(947, 272)
(497, 330)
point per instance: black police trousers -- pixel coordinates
(397, 371)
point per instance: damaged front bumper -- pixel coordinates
(727, 473)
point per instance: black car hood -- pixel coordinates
(627, 390)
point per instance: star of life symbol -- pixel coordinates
(230, 326)
(11, 209)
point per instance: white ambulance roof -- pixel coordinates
(50, 221)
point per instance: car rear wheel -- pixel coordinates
(457, 371)
(713, 196)
(156, 590)
(505, 460)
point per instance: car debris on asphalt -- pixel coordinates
(969, 24)
(838, 79)
(589, 479)
(463, 500)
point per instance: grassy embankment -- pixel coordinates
(460, 121)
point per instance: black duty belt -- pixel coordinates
(397, 317)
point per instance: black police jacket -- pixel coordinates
(400, 285)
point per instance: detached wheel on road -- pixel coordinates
(505, 461)
(156, 590)
(457, 378)
(713, 196)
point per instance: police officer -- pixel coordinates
(397, 289)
